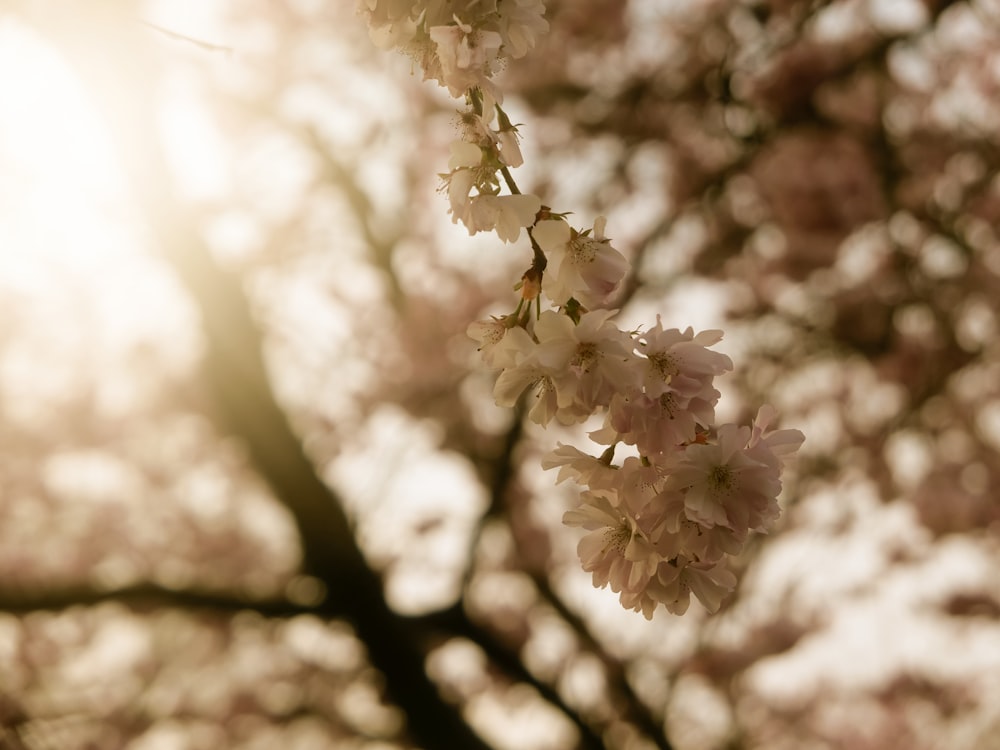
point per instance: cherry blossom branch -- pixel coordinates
(661, 524)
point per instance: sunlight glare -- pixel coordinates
(100, 317)
(57, 158)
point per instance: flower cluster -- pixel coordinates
(473, 184)
(460, 45)
(661, 522)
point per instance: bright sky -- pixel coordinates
(57, 158)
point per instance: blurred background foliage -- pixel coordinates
(253, 489)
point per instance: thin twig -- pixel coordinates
(189, 39)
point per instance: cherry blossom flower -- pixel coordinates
(582, 468)
(521, 23)
(590, 360)
(691, 538)
(681, 362)
(730, 483)
(525, 372)
(581, 266)
(466, 173)
(486, 211)
(712, 476)
(504, 214)
(510, 148)
(769, 445)
(639, 482)
(502, 143)
(656, 425)
(466, 56)
(616, 550)
(489, 333)
(677, 579)
(390, 22)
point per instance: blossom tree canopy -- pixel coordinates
(502, 374)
